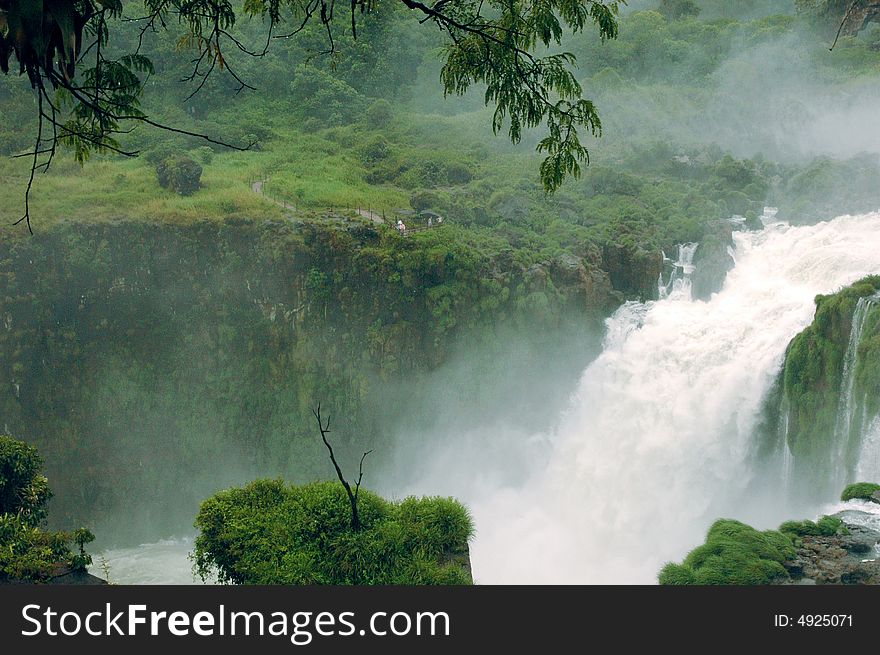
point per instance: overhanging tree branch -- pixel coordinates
(491, 42)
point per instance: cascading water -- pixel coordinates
(679, 283)
(659, 439)
(848, 435)
(785, 455)
(868, 468)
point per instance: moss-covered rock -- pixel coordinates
(812, 379)
(824, 527)
(860, 490)
(827, 551)
(712, 260)
(734, 553)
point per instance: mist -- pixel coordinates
(521, 358)
(658, 437)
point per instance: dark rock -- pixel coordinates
(839, 559)
(633, 271)
(875, 497)
(712, 260)
(795, 568)
(858, 547)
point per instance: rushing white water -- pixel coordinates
(658, 437)
(868, 469)
(164, 562)
(657, 440)
(848, 404)
(679, 283)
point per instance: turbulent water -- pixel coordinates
(164, 562)
(850, 421)
(659, 436)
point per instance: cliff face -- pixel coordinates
(857, 15)
(829, 390)
(152, 364)
(712, 259)
(633, 271)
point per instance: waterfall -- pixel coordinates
(785, 455)
(868, 468)
(679, 283)
(845, 433)
(659, 439)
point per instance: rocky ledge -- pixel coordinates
(846, 559)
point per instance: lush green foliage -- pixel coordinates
(496, 47)
(827, 526)
(734, 553)
(170, 341)
(27, 551)
(270, 533)
(813, 370)
(180, 173)
(862, 490)
(24, 490)
(273, 308)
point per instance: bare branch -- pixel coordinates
(357, 487)
(324, 427)
(842, 23)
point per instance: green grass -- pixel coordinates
(827, 526)
(112, 189)
(862, 490)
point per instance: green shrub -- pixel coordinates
(863, 490)
(374, 150)
(27, 552)
(423, 200)
(458, 172)
(827, 526)
(676, 574)
(205, 155)
(270, 533)
(379, 114)
(179, 173)
(734, 553)
(24, 491)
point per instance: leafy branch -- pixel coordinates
(84, 98)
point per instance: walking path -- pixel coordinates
(257, 187)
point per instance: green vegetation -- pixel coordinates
(813, 370)
(734, 553)
(141, 328)
(181, 174)
(862, 490)
(827, 526)
(272, 533)
(27, 551)
(152, 345)
(85, 103)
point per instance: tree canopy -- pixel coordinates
(87, 97)
(27, 551)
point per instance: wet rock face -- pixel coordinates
(848, 559)
(633, 271)
(859, 15)
(712, 260)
